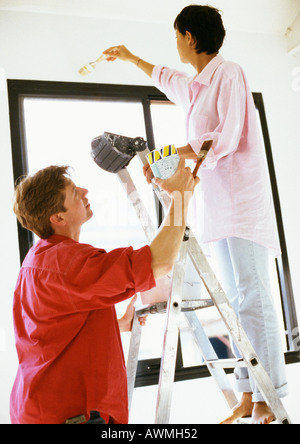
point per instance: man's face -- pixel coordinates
(77, 205)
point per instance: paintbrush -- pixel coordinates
(202, 155)
(89, 67)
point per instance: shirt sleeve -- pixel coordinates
(231, 109)
(97, 279)
(173, 83)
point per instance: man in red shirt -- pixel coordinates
(68, 341)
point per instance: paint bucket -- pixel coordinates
(164, 161)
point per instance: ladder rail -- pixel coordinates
(170, 344)
(133, 357)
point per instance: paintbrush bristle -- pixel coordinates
(86, 69)
(89, 67)
(83, 71)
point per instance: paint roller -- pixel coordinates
(112, 152)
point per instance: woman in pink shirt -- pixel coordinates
(233, 209)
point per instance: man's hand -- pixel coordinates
(125, 323)
(182, 181)
(165, 246)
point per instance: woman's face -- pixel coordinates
(183, 46)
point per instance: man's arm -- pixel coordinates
(165, 246)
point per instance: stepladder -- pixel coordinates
(175, 305)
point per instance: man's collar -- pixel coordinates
(206, 74)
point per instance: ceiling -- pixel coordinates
(261, 16)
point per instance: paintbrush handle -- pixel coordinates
(100, 59)
(202, 155)
(196, 169)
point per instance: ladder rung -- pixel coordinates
(187, 305)
(226, 363)
(160, 307)
(197, 304)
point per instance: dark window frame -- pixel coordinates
(148, 370)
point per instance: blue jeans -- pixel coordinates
(243, 271)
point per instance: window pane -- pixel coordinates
(59, 131)
(274, 277)
(168, 124)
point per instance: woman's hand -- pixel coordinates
(120, 52)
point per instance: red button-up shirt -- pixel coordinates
(67, 336)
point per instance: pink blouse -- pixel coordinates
(234, 198)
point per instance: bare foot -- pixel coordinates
(242, 410)
(262, 414)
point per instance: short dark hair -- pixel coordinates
(206, 26)
(39, 196)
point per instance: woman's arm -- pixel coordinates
(122, 53)
(186, 152)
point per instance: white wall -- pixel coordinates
(48, 47)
